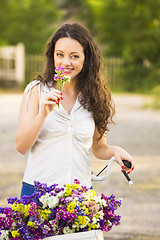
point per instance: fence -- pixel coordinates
(12, 64)
(34, 65)
(18, 68)
(114, 71)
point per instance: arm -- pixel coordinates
(30, 122)
(102, 150)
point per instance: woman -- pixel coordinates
(60, 140)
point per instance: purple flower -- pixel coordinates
(77, 181)
(80, 199)
(34, 220)
(68, 199)
(60, 77)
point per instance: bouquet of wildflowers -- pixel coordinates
(54, 211)
(61, 78)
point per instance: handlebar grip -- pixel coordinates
(127, 163)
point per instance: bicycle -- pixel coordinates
(94, 234)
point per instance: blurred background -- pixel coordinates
(128, 35)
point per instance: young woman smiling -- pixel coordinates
(60, 140)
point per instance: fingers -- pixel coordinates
(126, 169)
(53, 97)
(126, 156)
(50, 100)
(131, 160)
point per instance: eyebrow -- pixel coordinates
(62, 51)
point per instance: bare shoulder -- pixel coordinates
(30, 100)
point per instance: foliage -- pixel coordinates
(127, 29)
(131, 29)
(156, 97)
(28, 21)
(55, 211)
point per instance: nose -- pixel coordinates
(66, 61)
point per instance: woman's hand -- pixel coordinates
(120, 154)
(30, 122)
(50, 100)
(102, 150)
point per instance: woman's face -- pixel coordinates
(69, 54)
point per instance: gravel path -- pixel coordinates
(137, 130)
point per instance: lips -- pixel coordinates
(67, 70)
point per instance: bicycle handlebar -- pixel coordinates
(107, 172)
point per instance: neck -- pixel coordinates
(69, 87)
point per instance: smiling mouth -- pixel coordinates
(68, 70)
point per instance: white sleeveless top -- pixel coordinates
(62, 151)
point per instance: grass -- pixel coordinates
(10, 90)
(145, 238)
(152, 183)
(152, 99)
(152, 102)
(152, 105)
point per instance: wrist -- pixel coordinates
(43, 114)
(114, 149)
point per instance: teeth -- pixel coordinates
(67, 70)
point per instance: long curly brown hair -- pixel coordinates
(95, 93)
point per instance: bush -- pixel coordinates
(156, 97)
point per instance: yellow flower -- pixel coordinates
(44, 213)
(68, 191)
(71, 188)
(82, 220)
(75, 186)
(30, 224)
(19, 207)
(85, 209)
(90, 194)
(71, 206)
(91, 226)
(26, 209)
(15, 234)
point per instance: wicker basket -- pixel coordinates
(88, 235)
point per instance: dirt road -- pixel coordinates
(137, 130)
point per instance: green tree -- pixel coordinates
(28, 21)
(131, 29)
(78, 10)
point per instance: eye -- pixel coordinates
(59, 55)
(74, 56)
